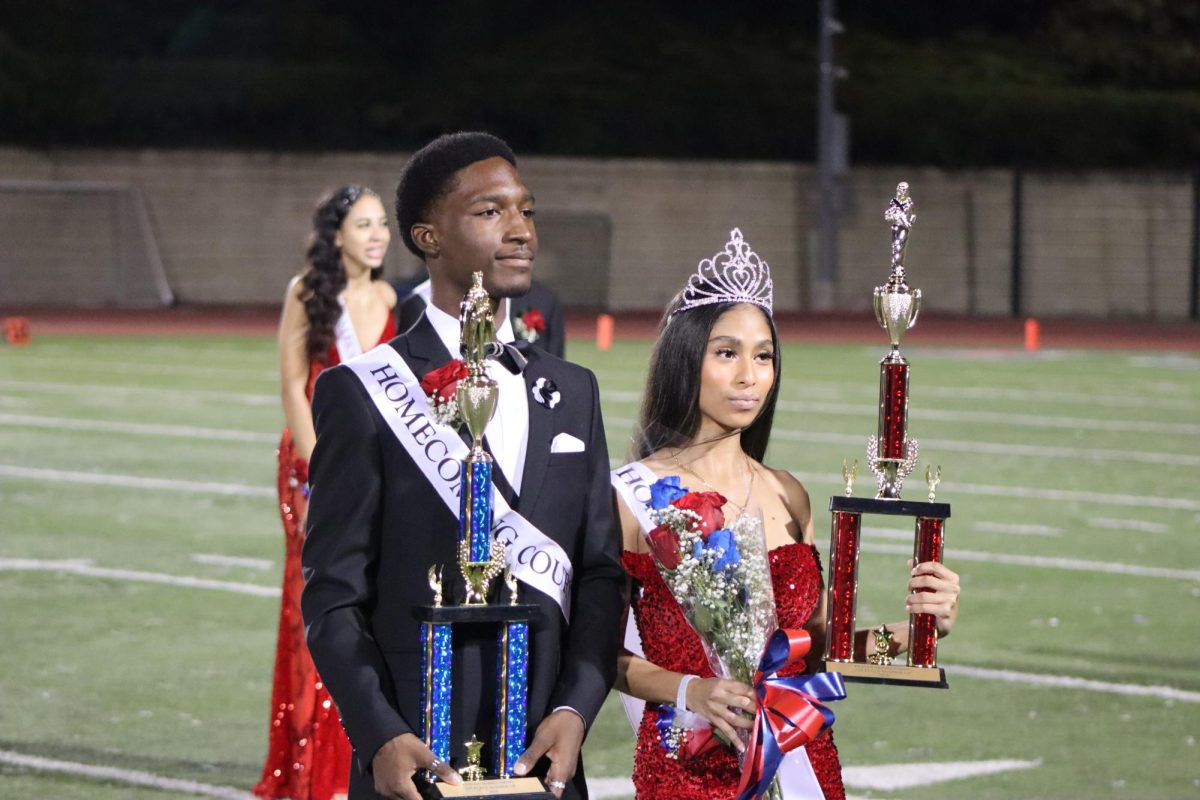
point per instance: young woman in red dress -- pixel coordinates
(335, 309)
(706, 417)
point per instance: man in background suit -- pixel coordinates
(376, 522)
(414, 296)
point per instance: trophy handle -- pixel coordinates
(916, 307)
(877, 302)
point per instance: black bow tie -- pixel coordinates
(511, 356)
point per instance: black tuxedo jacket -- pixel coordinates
(553, 340)
(375, 526)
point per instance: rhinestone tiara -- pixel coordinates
(735, 275)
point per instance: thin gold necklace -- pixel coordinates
(749, 481)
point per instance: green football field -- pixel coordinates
(140, 552)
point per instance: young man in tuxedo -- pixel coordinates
(376, 523)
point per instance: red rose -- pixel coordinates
(664, 546)
(534, 320)
(442, 383)
(708, 506)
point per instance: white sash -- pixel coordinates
(632, 482)
(348, 346)
(534, 558)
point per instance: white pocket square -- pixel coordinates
(566, 443)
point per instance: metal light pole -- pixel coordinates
(831, 159)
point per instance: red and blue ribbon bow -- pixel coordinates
(789, 713)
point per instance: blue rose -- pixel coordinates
(724, 540)
(665, 490)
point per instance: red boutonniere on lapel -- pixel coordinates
(441, 387)
(530, 325)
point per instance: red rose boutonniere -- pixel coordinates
(530, 325)
(441, 387)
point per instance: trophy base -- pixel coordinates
(893, 507)
(890, 674)
(508, 788)
(495, 612)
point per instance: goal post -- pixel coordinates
(78, 243)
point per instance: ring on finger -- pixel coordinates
(436, 763)
(556, 784)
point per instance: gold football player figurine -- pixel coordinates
(848, 475)
(474, 770)
(435, 583)
(883, 647)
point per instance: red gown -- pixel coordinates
(670, 643)
(308, 754)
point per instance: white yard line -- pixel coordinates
(1082, 684)
(218, 560)
(605, 788)
(871, 532)
(1169, 361)
(852, 408)
(858, 442)
(136, 428)
(1074, 564)
(85, 389)
(1070, 495)
(949, 488)
(62, 364)
(129, 776)
(133, 481)
(999, 418)
(883, 777)
(952, 488)
(599, 788)
(906, 534)
(1002, 448)
(1017, 529)
(1140, 525)
(1070, 398)
(85, 568)
(1088, 399)
(909, 775)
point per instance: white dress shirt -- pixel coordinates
(508, 432)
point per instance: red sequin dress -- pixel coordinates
(308, 754)
(670, 643)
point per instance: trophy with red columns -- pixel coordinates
(891, 456)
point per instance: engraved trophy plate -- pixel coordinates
(481, 559)
(891, 456)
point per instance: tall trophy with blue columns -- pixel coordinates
(891, 455)
(481, 559)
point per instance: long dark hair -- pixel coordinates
(670, 414)
(325, 277)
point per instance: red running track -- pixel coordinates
(825, 328)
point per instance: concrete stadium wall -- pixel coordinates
(624, 234)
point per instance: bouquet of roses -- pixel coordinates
(720, 578)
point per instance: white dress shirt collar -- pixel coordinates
(449, 329)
